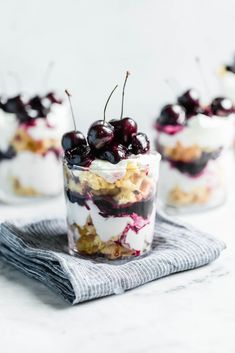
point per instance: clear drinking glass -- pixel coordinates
(111, 208)
(196, 163)
(30, 156)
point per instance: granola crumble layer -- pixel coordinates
(24, 142)
(133, 186)
(22, 190)
(199, 195)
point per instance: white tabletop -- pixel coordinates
(190, 312)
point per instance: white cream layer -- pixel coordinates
(143, 238)
(113, 172)
(110, 227)
(57, 120)
(170, 177)
(41, 130)
(42, 173)
(206, 132)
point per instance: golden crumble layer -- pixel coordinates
(21, 190)
(182, 153)
(134, 186)
(199, 195)
(24, 142)
(90, 243)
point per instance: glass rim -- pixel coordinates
(86, 169)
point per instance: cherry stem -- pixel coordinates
(108, 101)
(198, 62)
(17, 79)
(123, 92)
(71, 108)
(47, 74)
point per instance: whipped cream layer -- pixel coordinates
(201, 130)
(113, 172)
(211, 180)
(41, 130)
(41, 173)
(170, 177)
(133, 232)
(51, 128)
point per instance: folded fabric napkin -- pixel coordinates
(39, 249)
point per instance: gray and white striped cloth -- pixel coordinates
(39, 250)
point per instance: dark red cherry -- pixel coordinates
(230, 68)
(207, 111)
(190, 100)
(53, 98)
(24, 116)
(222, 106)
(73, 139)
(114, 122)
(124, 129)
(114, 154)
(79, 156)
(38, 108)
(140, 143)
(172, 114)
(100, 134)
(9, 154)
(14, 105)
(35, 102)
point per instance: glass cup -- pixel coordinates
(196, 161)
(111, 207)
(30, 156)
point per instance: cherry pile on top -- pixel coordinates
(111, 141)
(188, 105)
(33, 108)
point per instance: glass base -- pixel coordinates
(104, 259)
(196, 208)
(10, 198)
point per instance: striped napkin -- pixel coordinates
(39, 249)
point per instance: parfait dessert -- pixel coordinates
(195, 143)
(110, 189)
(30, 148)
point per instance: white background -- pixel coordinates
(93, 42)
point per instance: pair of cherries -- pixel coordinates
(111, 141)
(25, 110)
(188, 104)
